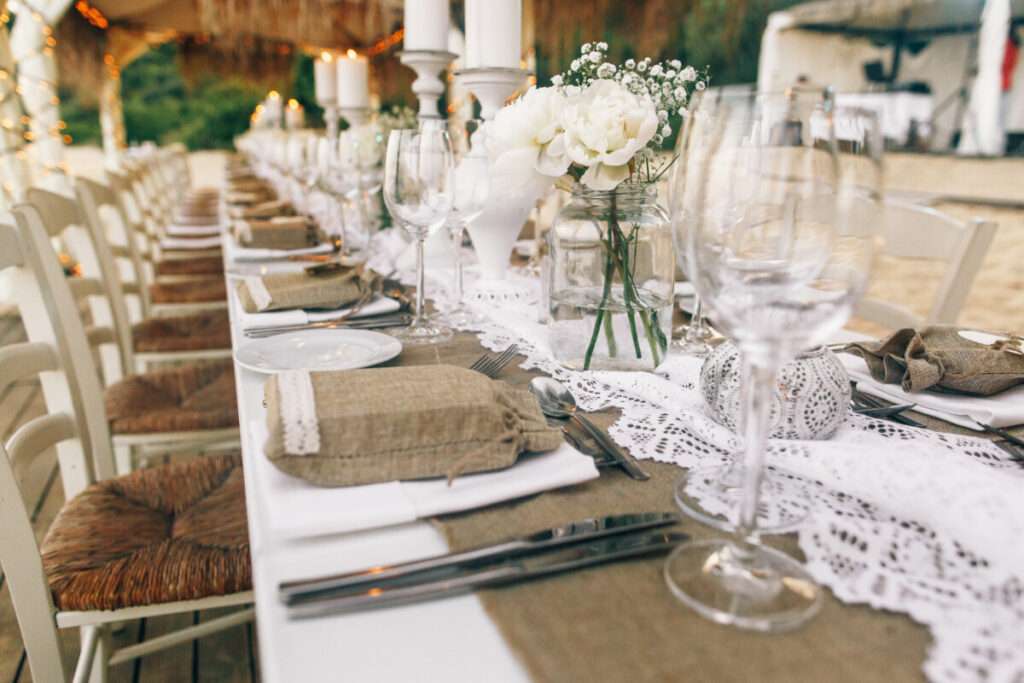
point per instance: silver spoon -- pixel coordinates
(556, 401)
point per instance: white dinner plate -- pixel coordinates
(317, 351)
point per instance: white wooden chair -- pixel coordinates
(49, 585)
(148, 223)
(180, 410)
(919, 232)
(185, 331)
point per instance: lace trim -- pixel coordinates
(258, 291)
(298, 413)
(903, 519)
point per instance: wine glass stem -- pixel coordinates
(460, 234)
(695, 330)
(760, 371)
(420, 281)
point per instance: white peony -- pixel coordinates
(526, 138)
(605, 126)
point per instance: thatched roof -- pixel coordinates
(310, 23)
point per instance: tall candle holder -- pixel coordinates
(331, 116)
(356, 116)
(428, 86)
(491, 86)
(495, 231)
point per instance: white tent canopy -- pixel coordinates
(958, 44)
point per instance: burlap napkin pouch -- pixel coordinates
(368, 426)
(280, 291)
(276, 207)
(940, 359)
(280, 232)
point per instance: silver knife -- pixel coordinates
(510, 571)
(574, 532)
(365, 323)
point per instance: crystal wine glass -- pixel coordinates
(780, 242)
(472, 188)
(419, 193)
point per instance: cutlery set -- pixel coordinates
(577, 545)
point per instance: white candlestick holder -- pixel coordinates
(492, 86)
(428, 86)
(495, 231)
(331, 116)
(356, 116)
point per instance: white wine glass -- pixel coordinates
(419, 193)
(472, 189)
(780, 242)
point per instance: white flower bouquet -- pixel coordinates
(598, 129)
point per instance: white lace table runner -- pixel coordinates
(914, 521)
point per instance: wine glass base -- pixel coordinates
(754, 587)
(697, 348)
(426, 333)
(462, 318)
(782, 507)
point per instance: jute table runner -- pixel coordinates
(620, 623)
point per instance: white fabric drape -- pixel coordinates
(982, 129)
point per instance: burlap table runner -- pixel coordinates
(939, 358)
(275, 207)
(620, 623)
(285, 232)
(401, 423)
(304, 290)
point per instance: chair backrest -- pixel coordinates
(923, 233)
(19, 555)
(103, 215)
(135, 239)
(100, 283)
(19, 551)
(50, 315)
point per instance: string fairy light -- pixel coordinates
(41, 84)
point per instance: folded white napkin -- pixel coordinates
(211, 242)
(297, 509)
(298, 316)
(175, 230)
(242, 254)
(1005, 409)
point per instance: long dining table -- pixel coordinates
(455, 639)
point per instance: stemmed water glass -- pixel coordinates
(779, 242)
(472, 188)
(419, 193)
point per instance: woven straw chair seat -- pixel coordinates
(204, 265)
(183, 398)
(169, 533)
(192, 292)
(197, 332)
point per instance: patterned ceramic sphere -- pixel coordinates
(811, 399)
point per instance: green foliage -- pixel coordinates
(159, 106)
(726, 36)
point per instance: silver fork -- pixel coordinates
(490, 365)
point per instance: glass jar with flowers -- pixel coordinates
(601, 128)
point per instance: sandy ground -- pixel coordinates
(996, 301)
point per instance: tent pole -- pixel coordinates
(32, 44)
(14, 171)
(112, 115)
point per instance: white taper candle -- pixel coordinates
(353, 81)
(426, 25)
(493, 33)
